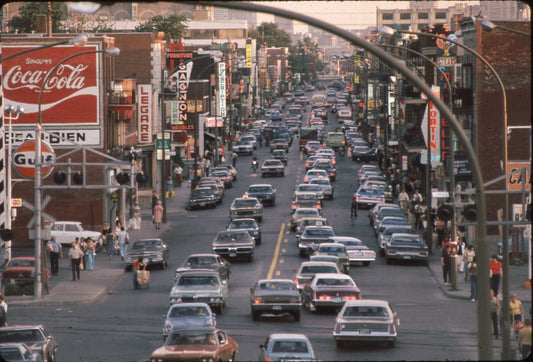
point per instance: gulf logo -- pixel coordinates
(24, 159)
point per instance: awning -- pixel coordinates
(211, 136)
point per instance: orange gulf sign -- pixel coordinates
(517, 179)
(24, 159)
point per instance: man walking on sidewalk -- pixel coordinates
(56, 252)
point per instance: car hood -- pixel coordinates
(189, 322)
(233, 243)
(196, 290)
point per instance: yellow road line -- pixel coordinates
(276, 252)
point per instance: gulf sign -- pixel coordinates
(71, 96)
(24, 159)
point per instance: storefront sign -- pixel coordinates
(144, 118)
(183, 75)
(518, 178)
(432, 115)
(222, 89)
(73, 89)
(446, 61)
(61, 137)
(24, 159)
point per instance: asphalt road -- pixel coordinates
(126, 324)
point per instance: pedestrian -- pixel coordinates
(516, 309)
(207, 165)
(445, 261)
(403, 200)
(155, 199)
(83, 247)
(380, 159)
(472, 275)
(495, 274)
(170, 184)
(417, 197)
(123, 241)
(139, 264)
(178, 174)
(107, 233)
(234, 157)
(494, 312)
(158, 215)
(353, 208)
(90, 251)
(75, 255)
(3, 310)
(460, 253)
(524, 339)
(137, 219)
(440, 226)
(56, 252)
(468, 257)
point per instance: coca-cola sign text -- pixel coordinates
(71, 96)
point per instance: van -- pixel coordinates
(335, 140)
(318, 100)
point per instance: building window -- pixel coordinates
(405, 16)
(403, 26)
(467, 75)
(440, 15)
(387, 16)
(423, 15)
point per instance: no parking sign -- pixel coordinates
(24, 159)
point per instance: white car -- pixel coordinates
(66, 231)
(286, 347)
(243, 147)
(325, 185)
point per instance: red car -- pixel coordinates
(20, 271)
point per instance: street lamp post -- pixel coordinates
(38, 170)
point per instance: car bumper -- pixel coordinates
(276, 172)
(362, 335)
(229, 253)
(202, 204)
(276, 308)
(406, 257)
(246, 214)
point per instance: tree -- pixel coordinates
(26, 22)
(173, 26)
(271, 35)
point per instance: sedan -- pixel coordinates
(20, 271)
(312, 236)
(272, 167)
(308, 187)
(385, 234)
(286, 347)
(336, 249)
(300, 213)
(305, 199)
(153, 252)
(315, 173)
(275, 297)
(406, 247)
(202, 197)
(197, 345)
(329, 291)
(204, 286)
(233, 244)
(248, 224)
(243, 147)
(17, 352)
(304, 274)
(187, 316)
(225, 176)
(246, 207)
(206, 261)
(263, 192)
(366, 320)
(34, 336)
(325, 185)
(368, 196)
(280, 155)
(217, 189)
(279, 144)
(357, 251)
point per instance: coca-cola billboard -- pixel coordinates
(71, 96)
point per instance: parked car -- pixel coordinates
(366, 320)
(243, 207)
(286, 347)
(35, 336)
(204, 286)
(153, 251)
(368, 155)
(230, 168)
(356, 249)
(234, 244)
(312, 236)
(406, 247)
(263, 192)
(336, 249)
(275, 297)
(206, 261)
(248, 224)
(20, 271)
(307, 269)
(385, 234)
(217, 189)
(17, 352)
(272, 167)
(188, 316)
(66, 231)
(329, 291)
(202, 197)
(300, 213)
(225, 176)
(206, 344)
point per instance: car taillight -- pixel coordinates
(357, 198)
(391, 252)
(258, 301)
(296, 282)
(350, 297)
(391, 328)
(293, 206)
(324, 297)
(337, 328)
(423, 253)
(382, 199)
(318, 206)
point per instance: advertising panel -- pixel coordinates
(432, 115)
(71, 96)
(518, 179)
(144, 113)
(222, 89)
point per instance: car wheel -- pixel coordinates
(233, 357)
(302, 253)
(296, 316)
(260, 219)
(390, 344)
(52, 357)
(258, 241)
(366, 263)
(339, 344)
(263, 175)
(221, 308)
(388, 261)
(255, 315)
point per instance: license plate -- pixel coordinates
(233, 254)
(337, 299)
(276, 307)
(364, 331)
(407, 257)
(202, 203)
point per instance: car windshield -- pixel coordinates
(390, 231)
(21, 262)
(310, 188)
(224, 237)
(259, 189)
(371, 191)
(306, 197)
(352, 243)
(145, 244)
(307, 212)
(195, 280)
(220, 173)
(319, 181)
(366, 311)
(331, 249)
(203, 193)
(314, 269)
(333, 282)
(290, 346)
(244, 203)
(276, 285)
(407, 241)
(239, 224)
(180, 312)
(319, 232)
(201, 261)
(188, 338)
(28, 336)
(272, 163)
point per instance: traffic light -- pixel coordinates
(59, 177)
(77, 178)
(123, 178)
(6, 234)
(470, 213)
(445, 212)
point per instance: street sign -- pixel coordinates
(24, 159)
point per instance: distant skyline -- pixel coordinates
(348, 15)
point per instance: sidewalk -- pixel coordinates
(95, 284)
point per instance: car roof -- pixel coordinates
(262, 185)
(287, 336)
(202, 255)
(336, 239)
(276, 280)
(369, 302)
(332, 275)
(22, 327)
(318, 262)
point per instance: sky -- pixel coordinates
(354, 14)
